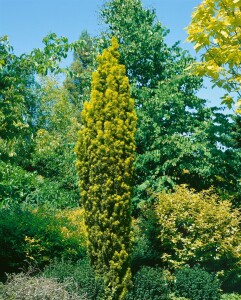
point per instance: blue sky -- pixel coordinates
(26, 22)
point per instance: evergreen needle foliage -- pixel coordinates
(105, 152)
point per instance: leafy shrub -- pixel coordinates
(23, 287)
(143, 251)
(197, 284)
(149, 284)
(52, 194)
(39, 235)
(17, 186)
(80, 274)
(198, 228)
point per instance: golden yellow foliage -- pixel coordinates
(198, 228)
(105, 153)
(75, 217)
(216, 30)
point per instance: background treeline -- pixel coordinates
(186, 201)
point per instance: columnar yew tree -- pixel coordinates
(105, 152)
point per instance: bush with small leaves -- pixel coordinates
(81, 274)
(197, 284)
(24, 287)
(143, 254)
(199, 228)
(149, 284)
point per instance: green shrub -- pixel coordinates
(38, 236)
(23, 287)
(17, 186)
(198, 228)
(149, 284)
(143, 253)
(52, 194)
(197, 284)
(80, 274)
(146, 250)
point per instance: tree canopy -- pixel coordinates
(215, 30)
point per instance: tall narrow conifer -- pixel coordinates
(105, 153)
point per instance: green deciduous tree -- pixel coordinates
(142, 48)
(17, 103)
(38, 125)
(105, 152)
(78, 84)
(180, 140)
(237, 130)
(57, 130)
(216, 30)
(18, 96)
